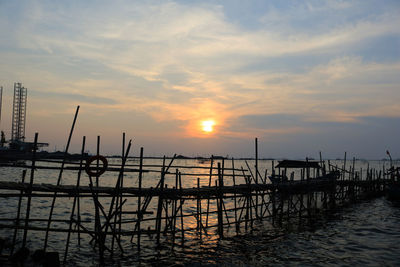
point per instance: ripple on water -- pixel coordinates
(366, 233)
(358, 237)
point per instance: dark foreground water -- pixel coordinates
(364, 234)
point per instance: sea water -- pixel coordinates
(365, 233)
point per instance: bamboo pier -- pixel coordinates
(117, 204)
(224, 200)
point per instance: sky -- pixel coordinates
(301, 76)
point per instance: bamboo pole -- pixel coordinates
(181, 206)
(116, 196)
(76, 199)
(209, 185)
(139, 203)
(160, 204)
(175, 209)
(121, 186)
(18, 214)
(60, 176)
(234, 196)
(28, 204)
(256, 178)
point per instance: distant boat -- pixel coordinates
(19, 151)
(203, 160)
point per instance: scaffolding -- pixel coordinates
(19, 113)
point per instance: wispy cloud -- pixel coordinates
(78, 98)
(182, 63)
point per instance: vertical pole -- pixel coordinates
(97, 162)
(28, 205)
(160, 203)
(60, 176)
(76, 200)
(100, 238)
(175, 208)
(117, 194)
(18, 213)
(181, 204)
(121, 186)
(209, 185)
(197, 206)
(118, 203)
(97, 213)
(199, 215)
(219, 202)
(97, 227)
(234, 195)
(344, 165)
(256, 165)
(139, 211)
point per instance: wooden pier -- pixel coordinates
(154, 203)
(225, 199)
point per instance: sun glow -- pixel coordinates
(207, 126)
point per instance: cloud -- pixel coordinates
(282, 64)
(269, 121)
(287, 128)
(76, 97)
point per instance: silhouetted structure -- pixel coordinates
(17, 148)
(19, 113)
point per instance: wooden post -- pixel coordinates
(256, 166)
(160, 203)
(219, 202)
(76, 199)
(18, 214)
(28, 205)
(121, 186)
(175, 208)
(234, 196)
(97, 226)
(209, 185)
(97, 223)
(59, 177)
(139, 204)
(181, 204)
(199, 215)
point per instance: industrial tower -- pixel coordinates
(19, 113)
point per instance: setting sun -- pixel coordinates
(207, 126)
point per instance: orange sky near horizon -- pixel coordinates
(302, 77)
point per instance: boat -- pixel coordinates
(18, 151)
(298, 164)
